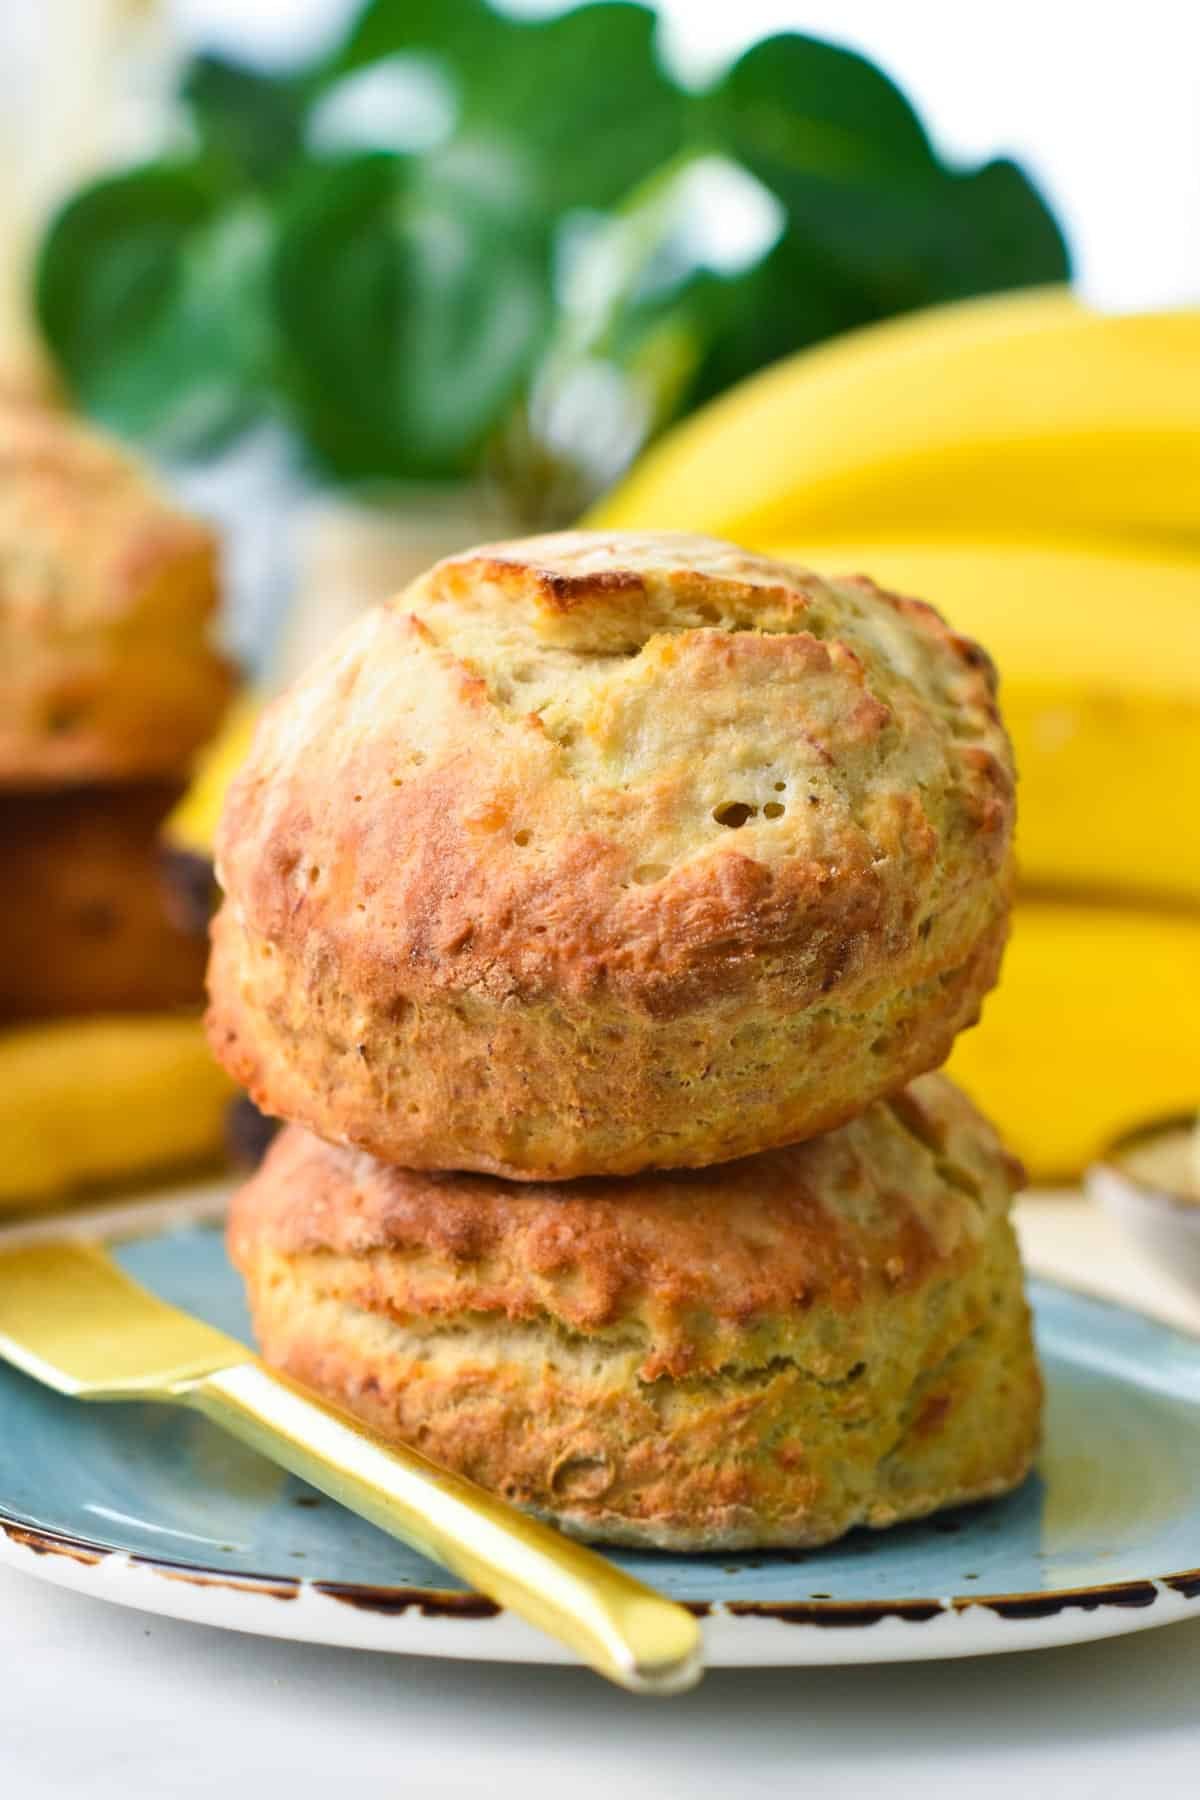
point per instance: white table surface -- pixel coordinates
(97, 1701)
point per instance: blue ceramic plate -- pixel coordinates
(154, 1507)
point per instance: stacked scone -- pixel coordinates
(594, 912)
(109, 683)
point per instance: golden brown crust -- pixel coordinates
(107, 594)
(596, 853)
(768, 1352)
(84, 925)
(727, 1245)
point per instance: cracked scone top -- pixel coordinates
(766, 1352)
(599, 852)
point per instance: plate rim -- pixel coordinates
(1132, 1593)
(744, 1634)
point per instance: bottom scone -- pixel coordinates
(764, 1353)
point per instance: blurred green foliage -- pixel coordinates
(532, 291)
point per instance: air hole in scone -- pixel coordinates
(734, 813)
(773, 810)
(647, 873)
(521, 837)
(925, 927)
(781, 787)
(582, 1478)
(314, 875)
(61, 719)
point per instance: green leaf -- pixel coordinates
(1016, 240)
(149, 291)
(791, 299)
(578, 101)
(408, 317)
(869, 206)
(463, 31)
(908, 243)
(248, 123)
(584, 98)
(792, 103)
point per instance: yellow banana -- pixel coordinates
(88, 1102)
(1091, 1030)
(189, 828)
(1017, 412)
(1099, 656)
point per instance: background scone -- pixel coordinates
(768, 1352)
(592, 853)
(84, 909)
(107, 596)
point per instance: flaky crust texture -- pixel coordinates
(107, 594)
(594, 853)
(85, 925)
(766, 1353)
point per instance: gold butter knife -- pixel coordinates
(70, 1318)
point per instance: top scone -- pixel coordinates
(599, 852)
(106, 600)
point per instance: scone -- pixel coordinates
(599, 852)
(107, 669)
(764, 1353)
(84, 923)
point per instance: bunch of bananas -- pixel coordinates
(1033, 469)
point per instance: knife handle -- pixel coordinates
(614, 1623)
